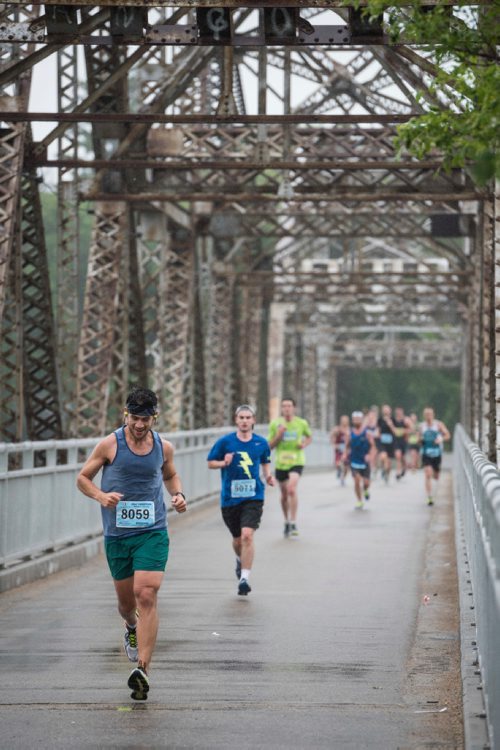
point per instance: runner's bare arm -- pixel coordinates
(214, 464)
(306, 441)
(103, 453)
(280, 431)
(171, 479)
(347, 444)
(268, 477)
(444, 431)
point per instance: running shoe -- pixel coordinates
(366, 495)
(294, 530)
(286, 530)
(238, 568)
(243, 587)
(139, 684)
(130, 644)
(430, 501)
(359, 505)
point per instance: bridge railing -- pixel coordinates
(477, 492)
(41, 510)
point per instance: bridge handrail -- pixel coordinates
(477, 490)
(42, 511)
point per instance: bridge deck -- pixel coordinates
(334, 648)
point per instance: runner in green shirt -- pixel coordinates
(289, 434)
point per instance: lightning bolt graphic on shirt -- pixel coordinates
(245, 462)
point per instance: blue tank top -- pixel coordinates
(140, 480)
(360, 446)
(430, 433)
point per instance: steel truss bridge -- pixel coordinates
(253, 227)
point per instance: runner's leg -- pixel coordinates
(428, 472)
(237, 546)
(146, 586)
(293, 500)
(247, 547)
(284, 499)
(126, 600)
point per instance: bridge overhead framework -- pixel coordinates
(253, 227)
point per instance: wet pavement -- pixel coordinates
(324, 653)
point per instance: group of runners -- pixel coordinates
(137, 463)
(369, 442)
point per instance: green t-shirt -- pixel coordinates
(288, 453)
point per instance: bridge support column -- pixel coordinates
(100, 315)
(276, 356)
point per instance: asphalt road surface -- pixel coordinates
(349, 638)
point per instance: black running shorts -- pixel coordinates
(244, 515)
(387, 448)
(282, 475)
(365, 473)
(434, 461)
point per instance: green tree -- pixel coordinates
(461, 55)
(412, 389)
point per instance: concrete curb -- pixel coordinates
(53, 562)
(475, 724)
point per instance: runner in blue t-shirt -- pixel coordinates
(240, 455)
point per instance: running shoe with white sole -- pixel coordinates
(138, 682)
(286, 530)
(294, 532)
(359, 505)
(130, 644)
(243, 587)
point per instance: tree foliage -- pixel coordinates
(412, 389)
(461, 49)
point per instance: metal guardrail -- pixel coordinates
(41, 510)
(477, 491)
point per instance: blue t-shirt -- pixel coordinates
(241, 479)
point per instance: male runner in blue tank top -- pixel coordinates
(359, 443)
(433, 434)
(240, 455)
(135, 462)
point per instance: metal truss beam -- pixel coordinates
(95, 357)
(225, 3)
(335, 194)
(153, 118)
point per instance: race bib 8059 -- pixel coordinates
(131, 514)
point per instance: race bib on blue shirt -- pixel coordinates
(243, 488)
(131, 514)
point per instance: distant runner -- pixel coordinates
(289, 434)
(240, 456)
(414, 442)
(401, 429)
(371, 424)
(338, 437)
(386, 437)
(432, 435)
(359, 443)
